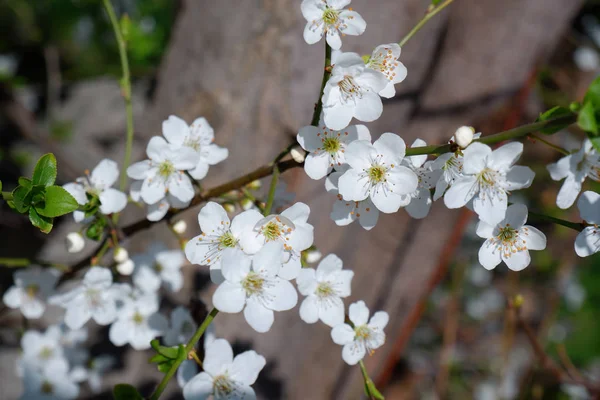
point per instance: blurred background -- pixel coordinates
(245, 67)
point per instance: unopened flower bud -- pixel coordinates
(312, 256)
(247, 204)
(120, 255)
(126, 267)
(74, 242)
(254, 185)
(464, 136)
(298, 155)
(180, 226)
(230, 208)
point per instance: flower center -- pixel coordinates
(253, 283)
(94, 297)
(349, 88)
(331, 145)
(510, 240)
(222, 386)
(227, 240)
(507, 234)
(158, 267)
(385, 63)
(362, 332)
(487, 177)
(272, 230)
(192, 143)
(325, 290)
(165, 169)
(32, 290)
(330, 16)
(137, 318)
(377, 173)
(47, 388)
(45, 353)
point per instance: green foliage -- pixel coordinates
(123, 391)
(555, 112)
(40, 198)
(589, 114)
(166, 356)
(435, 2)
(95, 230)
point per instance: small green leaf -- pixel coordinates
(587, 118)
(552, 113)
(158, 359)
(45, 170)
(22, 198)
(171, 353)
(435, 2)
(25, 182)
(165, 367)
(372, 391)
(57, 202)
(593, 94)
(44, 223)
(123, 391)
(96, 228)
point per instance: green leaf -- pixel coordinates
(44, 223)
(158, 359)
(57, 202)
(593, 94)
(552, 113)
(25, 182)
(435, 2)
(165, 367)
(96, 228)
(123, 391)
(595, 142)
(45, 170)
(22, 198)
(171, 353)
(587, 118)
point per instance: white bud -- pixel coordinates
(313, 256)
(74, 242)
(247, 204)
(126, 267)
(464, 136)
(298, 155)
(180, 226)
(120, 255)
(254, 185)
(230, 208)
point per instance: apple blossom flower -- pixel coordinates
(138, 323)
(52, 382)
(224, 376)
(376, 173)
(163, 172)
(364, 337)
(574, 169)
(588, 240)
(182, 327)
(93, 298)
(40, 349)
(487, 178)
(326, 147)
(156, 211)
(351, 91)
(253, 286)
(199, 136)
(32, 288)
(324, 289)
(98, 184)
(290, 228)
(420, 199)
(510, 240)
(158, 266)
(69, 340)
(346, 212)
(385, 60)
(218, 234)
(329, 17)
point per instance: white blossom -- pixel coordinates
(218, 234)
(163, 173)
(290, 228)
(326, 147)
(324, 289)
(574, 169)
(52, 382)
(510, 240)
(138, 323)
(40, 349)
(32, 288)
(224, 376)
(98, 184)
(182, 327)
(420, 199)
(158, 266)
(93, 298)
(74, 242)
(487, 178)
(365, 337)
(376, 173)
(199, 136)
(352, 91)
(253, 286)
(329, 17)
(156, 211)
(385, 60)
(588, 240)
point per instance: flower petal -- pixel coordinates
(246, 367)
(105, 174)
(369, 107)
(505, 156)
(212, 218)
(379, 320)
(589, 207)
(460, 192)
(489, 255)
(199, 387)
(358, 313)
(309, 310)
(280, 295)
(517, 261)
(180, 186)
(258, 317)
(475, 157)
(391, 147)
(536, 240)
(354, 352)
(112, 201)
(317, 166)
(175, 130)
(587, 242)
(218, 354)
(351, 188)
(342, 334)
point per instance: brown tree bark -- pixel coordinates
(245, 67)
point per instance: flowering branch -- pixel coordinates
(431, 12)
(188, 348)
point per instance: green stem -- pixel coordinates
(125, 87)
(572, 225)
(430, 14)
(547, 143)
(188, 348)
(25, 262)
(272, 188)
(96, 259)
(510, 134)
(370, 389)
